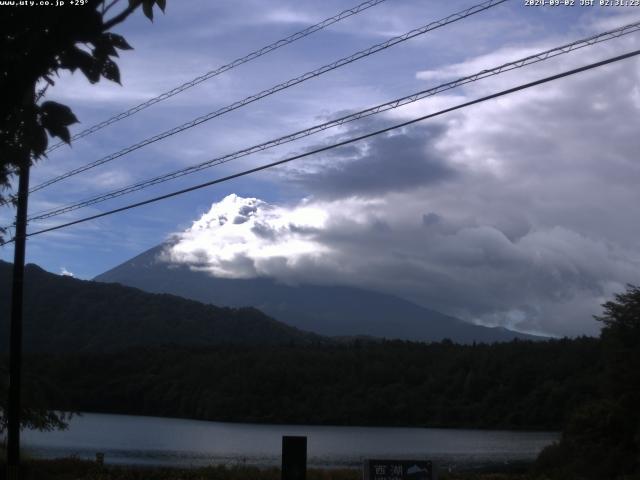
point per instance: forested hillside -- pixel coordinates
(511, 385)
(63, 314)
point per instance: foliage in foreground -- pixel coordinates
(37, 392)
(35, 48)
(602, 437)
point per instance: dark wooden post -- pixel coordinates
(15, 343)
(294, 458)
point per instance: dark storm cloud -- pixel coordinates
(431, 218)
(385, 163)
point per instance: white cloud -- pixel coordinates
(246, 237)
(66, 273)
(473, 271)
(285, 15)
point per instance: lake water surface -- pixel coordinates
(176, 442)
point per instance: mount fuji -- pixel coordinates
(239, 234)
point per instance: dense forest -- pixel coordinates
(532, 385)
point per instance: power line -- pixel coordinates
(282, 86)
(529, 60)
(224, 68)
(340, 144)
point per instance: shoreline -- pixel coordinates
(328, 425)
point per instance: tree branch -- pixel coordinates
(108, 7)
(121, 17)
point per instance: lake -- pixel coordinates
(133, 440)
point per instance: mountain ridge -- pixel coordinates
(65, 314)
(335, 311)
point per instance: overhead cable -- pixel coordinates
(339, 144)
(529, 60)
(282, 86)
(224, 68)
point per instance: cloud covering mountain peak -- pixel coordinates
(541, 279)
(247, 237)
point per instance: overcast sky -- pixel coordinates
(521, 212)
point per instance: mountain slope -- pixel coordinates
(70, 315)
(326, 310)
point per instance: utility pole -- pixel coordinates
(15, 345)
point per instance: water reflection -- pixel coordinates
(135, 440)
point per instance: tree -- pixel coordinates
(621, 341)
(602, 438)
(35, 415)
(621, 345)
(36, 43)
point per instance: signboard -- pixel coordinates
(398, 470)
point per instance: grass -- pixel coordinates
(75, 469)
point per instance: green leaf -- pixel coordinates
(162, 4)
(55, 118)
(56, 113)
(147, 8)
(118, 41)
(75, 58)
(60, 132)
(104, 47)
(110, 71)
(92, 73)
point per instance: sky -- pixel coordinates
(519, 212)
